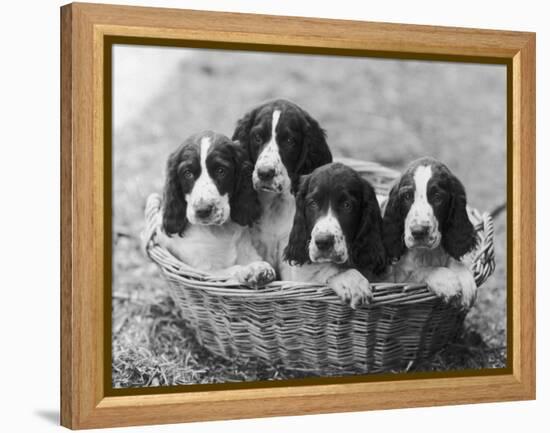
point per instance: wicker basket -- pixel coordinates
(304, 326)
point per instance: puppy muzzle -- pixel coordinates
(269, 179)
(422, 235)
(270, 173)
(327, 247)
(207, 213)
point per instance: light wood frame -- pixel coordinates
(84, 403)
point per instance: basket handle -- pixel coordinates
(483, 263)
(152, 219)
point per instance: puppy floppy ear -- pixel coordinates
(296, 252)
(367, 249)
(315, 150)
(394, 225)
(242, 130)
(244, 203)
(174, 217)
(459, 235)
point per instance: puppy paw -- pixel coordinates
(469, 290)
(444, 283)
(255, 274)
(352, 287)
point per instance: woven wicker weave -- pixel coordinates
(305, 326)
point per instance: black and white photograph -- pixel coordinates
(289, 216)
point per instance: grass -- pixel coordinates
(383, 110)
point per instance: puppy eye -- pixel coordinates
(257, 138)
(289, 141)
(221, 172)
(437, 198)
(408, 195)
(311, 203)
(188, 174)
(346, 205)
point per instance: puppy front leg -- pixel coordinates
(351, 286)
(251, 270)
(442, 281)
(467, 282)
(253, 275)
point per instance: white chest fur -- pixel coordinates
(207, 248)
(270, 233)
(418, 258)
(311, 272)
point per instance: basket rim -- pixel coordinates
(482, 263)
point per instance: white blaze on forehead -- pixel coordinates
(205, 145)
(204, 179)
(205, 191)
(421, 211)
(422, 176)
(274, 123)
(329, 224)
(270, 158)
(272, 148)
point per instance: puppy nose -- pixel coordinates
(420, 231)
(266, 173)
(204, 210)
(324, 241)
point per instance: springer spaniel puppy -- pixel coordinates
(337, 233)
(427, 231)
(208, 205)
(284, 142)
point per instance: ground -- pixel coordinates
(382, 110)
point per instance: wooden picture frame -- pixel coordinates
(85, 230)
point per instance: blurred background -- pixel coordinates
(389, 111)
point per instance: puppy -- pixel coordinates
(336, 237)
(208, 205)
(284, 142)
(427, 231)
